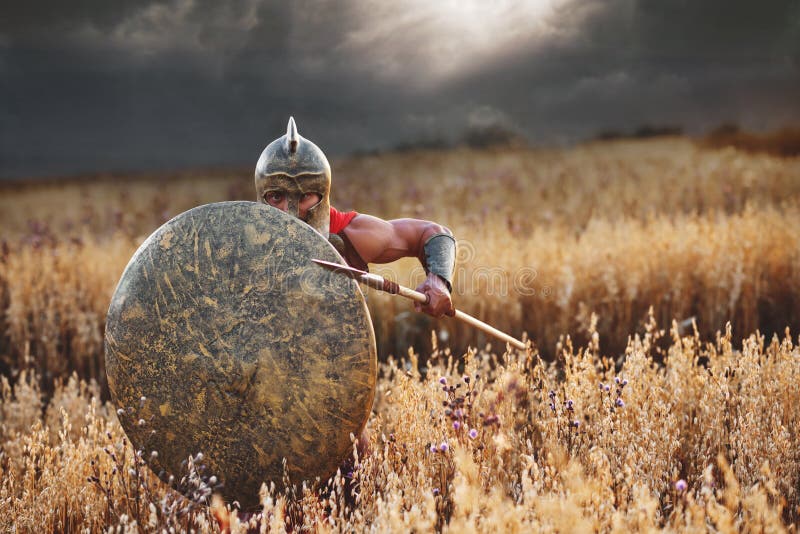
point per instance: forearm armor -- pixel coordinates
(440, 257)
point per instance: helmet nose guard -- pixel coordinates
(294, 206)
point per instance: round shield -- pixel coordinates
(223, 338)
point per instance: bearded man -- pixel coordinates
(293, 175)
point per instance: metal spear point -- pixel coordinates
(382, 284)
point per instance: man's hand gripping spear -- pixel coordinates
(382, 284)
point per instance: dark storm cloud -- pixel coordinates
(92, 86)
(28, 21)
(626, 63)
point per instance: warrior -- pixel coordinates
(200, 326)
(294, 176)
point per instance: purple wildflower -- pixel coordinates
(681, 486)
(433, 448)
(473, 433)
(620, 403)
(443, 381)
(606, 388)
(456, 425)
(443, 446)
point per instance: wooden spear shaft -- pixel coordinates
(382, 284)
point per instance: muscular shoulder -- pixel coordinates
(369, 223)
(380, 241)
(370, 236)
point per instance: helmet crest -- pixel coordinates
(292, 137)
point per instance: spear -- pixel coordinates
(382, 284)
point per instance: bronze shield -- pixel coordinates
(243, 349)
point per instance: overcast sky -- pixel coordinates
(94, 85)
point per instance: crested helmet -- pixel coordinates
(294, 166)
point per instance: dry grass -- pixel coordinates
(480, 444)
(743, 268)
(581, 242)
(56, 297)
(546, 237)
(516, 190)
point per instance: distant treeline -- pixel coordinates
(784, 142)
(490, 136)
(642, 132)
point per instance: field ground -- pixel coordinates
(653, 264)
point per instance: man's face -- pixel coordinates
(294, 195)
(280, 200)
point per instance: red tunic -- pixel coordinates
(339, 220)
(338, 223)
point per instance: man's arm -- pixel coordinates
(380, 241)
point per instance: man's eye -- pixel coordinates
(310, 196)
(273, 197)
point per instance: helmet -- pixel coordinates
(294, 166)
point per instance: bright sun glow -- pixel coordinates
(434, 41)
(419, 43)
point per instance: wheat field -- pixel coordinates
(658, 281)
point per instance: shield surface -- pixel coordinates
(242, 348)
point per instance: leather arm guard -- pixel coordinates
(440, 257)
